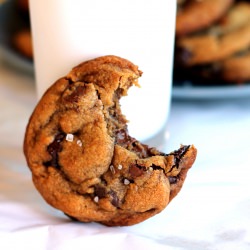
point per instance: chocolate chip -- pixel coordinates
(172, 179)
(53, 149)
(74, 97)
(178, 154)
(114, 198)
(155, 167)
(100, 191)
(135, 170)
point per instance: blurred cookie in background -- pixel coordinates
(228, 36)
(195, 15)
(23, 5)
(237, 68)
(23, 43)
(21, 36)
(219, 53)
(234, 70)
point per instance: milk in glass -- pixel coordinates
(68, 32)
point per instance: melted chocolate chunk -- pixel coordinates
(100, 191)
(114, 198)
(156, 167)
(136, 170)
(172, 179)
(178, 154)
(74, 97)
(53, 149)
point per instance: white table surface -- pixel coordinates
(212, 211)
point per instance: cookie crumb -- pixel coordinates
(69, 137)
(79, 143)
(119, 167)
(96, 199)
(112, 169)
(126, 182)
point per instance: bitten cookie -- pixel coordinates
(82, 159)
(194, 15)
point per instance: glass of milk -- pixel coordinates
(68, 32)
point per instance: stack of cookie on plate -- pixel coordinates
(212, 41)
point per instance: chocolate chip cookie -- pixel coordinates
(22, 42)
(195, 15)
(82, 159)
(227, 37)
(236, 68)
(233, 70)
(23, 5)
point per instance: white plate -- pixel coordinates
(9, 21)
(215, 92)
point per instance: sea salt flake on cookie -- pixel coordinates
(69, 137)
(119, 167)
(79, 143)
(126, 182)
(112, 169)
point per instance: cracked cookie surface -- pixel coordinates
(83, 160)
